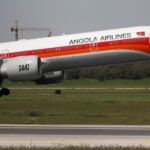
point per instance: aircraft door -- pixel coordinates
(94, 47)
(4, 53)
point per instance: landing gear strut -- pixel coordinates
(4, 91)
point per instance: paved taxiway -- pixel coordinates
(74, 135)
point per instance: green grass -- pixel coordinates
(78, 106)
(145, 83)
(76, 148)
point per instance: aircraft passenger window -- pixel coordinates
(139, 40)
(110, 43)
(124, 42)
(47, 50)
(72, 47)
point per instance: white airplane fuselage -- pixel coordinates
(83, 50)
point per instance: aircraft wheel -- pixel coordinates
(5, 91)
(1, 94)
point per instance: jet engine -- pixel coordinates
(21, 68)
(51, 77)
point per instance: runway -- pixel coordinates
(74, 135)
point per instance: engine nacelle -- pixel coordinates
(21, 68)
(51, 77)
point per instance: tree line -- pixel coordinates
(133, 71)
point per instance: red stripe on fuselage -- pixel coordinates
(139, 44)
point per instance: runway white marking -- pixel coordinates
(76, 88)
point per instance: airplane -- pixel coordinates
(44, 59)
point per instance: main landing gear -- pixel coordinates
(3, 91)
